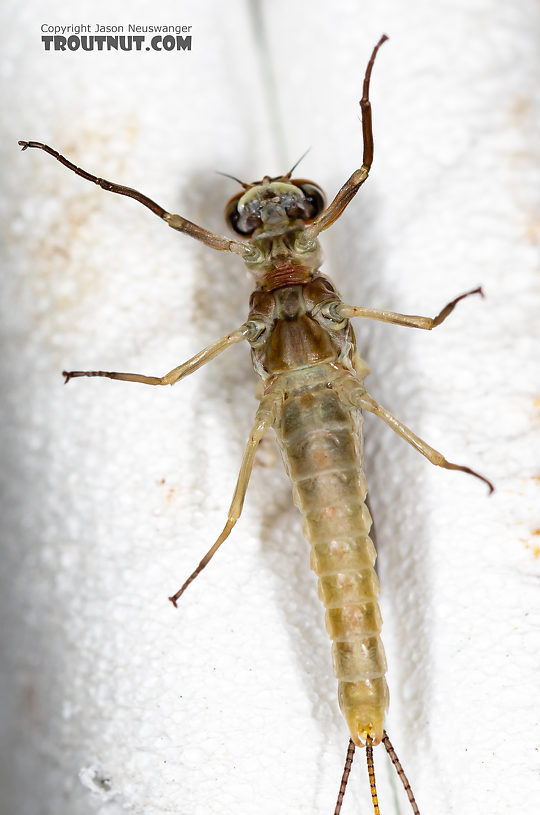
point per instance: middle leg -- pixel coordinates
(340, 311)
(186, 368)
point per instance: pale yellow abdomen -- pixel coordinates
(321, 443)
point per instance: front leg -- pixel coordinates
(353, 184)
(218, 242)
(243, 333)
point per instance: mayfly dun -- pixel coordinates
(312, 393)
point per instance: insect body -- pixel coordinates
(303, 348)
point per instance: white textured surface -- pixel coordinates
(113, 491)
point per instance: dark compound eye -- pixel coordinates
(315, 200)
(243, 223)
(261, 203)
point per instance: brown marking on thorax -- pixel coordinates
(296, 337)
(284, 273)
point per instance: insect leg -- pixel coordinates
(263, 420)
(218, 242)
(341, 311)
(181, 371)
(353, 184)
(363, 400)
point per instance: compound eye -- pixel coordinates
(315, 201)
(242, 222)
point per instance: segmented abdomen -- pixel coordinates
(322, 446)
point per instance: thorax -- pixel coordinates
(296, 334)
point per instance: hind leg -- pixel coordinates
(263, 420)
